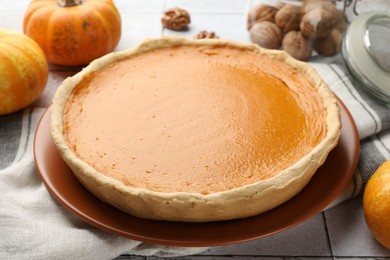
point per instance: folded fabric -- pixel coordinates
(35, 226)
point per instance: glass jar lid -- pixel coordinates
(366, 52)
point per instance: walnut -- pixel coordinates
(317, 23)
(175, 19)
(279, 4)
(297, 45)
(206, 34)
(289, 17)
(259, 13)
(266, 34)
(311, 5)
(330, 45)
(341, 21)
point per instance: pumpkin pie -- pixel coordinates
(195, 130)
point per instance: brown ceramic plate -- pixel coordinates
(324, 187)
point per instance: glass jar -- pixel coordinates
(366, 52)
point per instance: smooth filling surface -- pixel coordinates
(194, 119)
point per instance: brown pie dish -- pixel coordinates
(195, 130)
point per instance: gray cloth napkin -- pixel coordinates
(372, 119)
(33, 225)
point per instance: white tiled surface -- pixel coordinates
(338, 233)
(348, 233)
(311, 242)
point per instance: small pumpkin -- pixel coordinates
(376, 204)
(23, 71)
(73, 32)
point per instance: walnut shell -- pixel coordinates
(341, 21)
(311, 5)
(266, 34)
(289, 17)
(259, 13)
(317, 23)
(206, 35)
(330, 45)
(297, 45)
(175, 19)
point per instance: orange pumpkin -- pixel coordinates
(376, 204)
(23, 71)
(73, 32)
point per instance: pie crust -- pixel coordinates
(189, 206)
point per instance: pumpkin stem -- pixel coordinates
(69, 3)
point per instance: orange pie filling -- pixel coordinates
(198, 119)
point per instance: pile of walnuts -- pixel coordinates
(298, 29)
